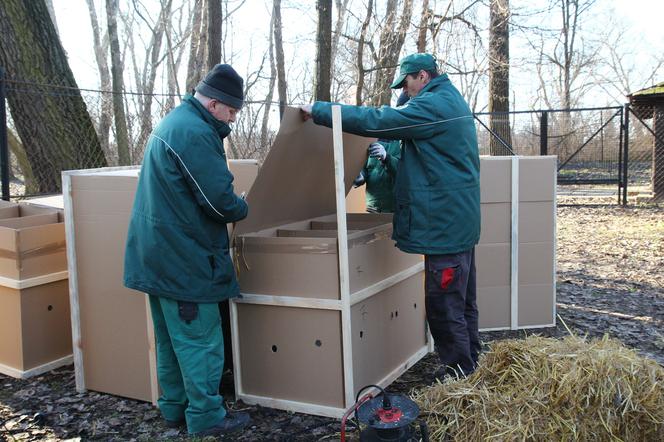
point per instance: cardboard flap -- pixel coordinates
(296, 180)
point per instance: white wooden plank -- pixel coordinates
(20, 284)
(555, 240)
(79, 369)
(24, 374)
(237, 362)
(514, 278)
(297, 407)
(344, 273)
(152, 353)
(289, 301)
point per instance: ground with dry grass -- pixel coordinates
(610, 281)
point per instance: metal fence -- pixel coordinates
(592, 144)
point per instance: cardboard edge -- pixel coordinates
(79, 370)
(514, 267)
(20, 284)
(378, 287)
(41, 369)
(297, 407)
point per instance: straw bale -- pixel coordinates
(543, 389)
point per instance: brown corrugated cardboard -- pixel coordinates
(292, 353)
(32, 245)
(493, 264)
(536, 221)
(536, 305)
(387, 330)
(494, 304)
(495, 179)
(114, 321)
(537, 178)
(496, 223)
(536, 263)
(297, 178)
(35, 329)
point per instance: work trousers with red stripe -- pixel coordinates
(451, 304)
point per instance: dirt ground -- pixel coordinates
(610, 281)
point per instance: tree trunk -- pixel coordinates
(52, 121)
(499, 76)
(342, 7)
(197, 47)
(360, 55)
(270, 93)
(279, 51)
(323, 51)
(214, 33)
(424, 25)
(16, 148)
(391, 42)
(121, 133)
(101, 52)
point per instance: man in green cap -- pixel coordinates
(437, 196)
(178, 253)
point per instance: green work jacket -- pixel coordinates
(177, 244)
(380, 177)
(437, 187)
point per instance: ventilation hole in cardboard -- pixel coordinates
(391, 315)
(361, 334)
(396, 314)
(318, 343)
(50, 307)
(274, 349)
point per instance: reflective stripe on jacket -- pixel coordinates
(437, 188)
(177, 243)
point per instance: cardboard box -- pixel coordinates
(35, 329)
(32, 242)
(111, 325)
(320, 288)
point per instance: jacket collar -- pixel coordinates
(220, 127)
(442, 78)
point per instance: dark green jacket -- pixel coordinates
(177, 244)
(380, 177)
(437, 188)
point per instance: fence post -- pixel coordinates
(626, 154)
(621, 137)
(544, 133)
(4, 148)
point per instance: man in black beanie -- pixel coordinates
(178, 251)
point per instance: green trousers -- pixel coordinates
(190, 360)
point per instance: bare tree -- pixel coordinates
(499, 76)
(270, 89)
(121, 133)
(392, 37)
(323, 81)
(197, 45)
(360, 54)
(425, 19)
(53, 124)
(214, 20)
(100, 45)
(279, 51)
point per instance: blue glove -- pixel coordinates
(359, 180)
(376, 150)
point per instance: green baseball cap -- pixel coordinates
(411, 64)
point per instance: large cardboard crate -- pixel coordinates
(35, 330)
(328, 305)
(111, 325)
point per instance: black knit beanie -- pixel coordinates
(224, 84)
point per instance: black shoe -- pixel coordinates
(232, 422)
(175, 424)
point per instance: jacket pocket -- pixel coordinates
(222, 267)
(402, 220)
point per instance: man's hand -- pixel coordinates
(306, 109)
(376, 150)
(359, 180)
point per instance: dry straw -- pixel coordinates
(543, 389)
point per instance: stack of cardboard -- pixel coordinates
(35, 329)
